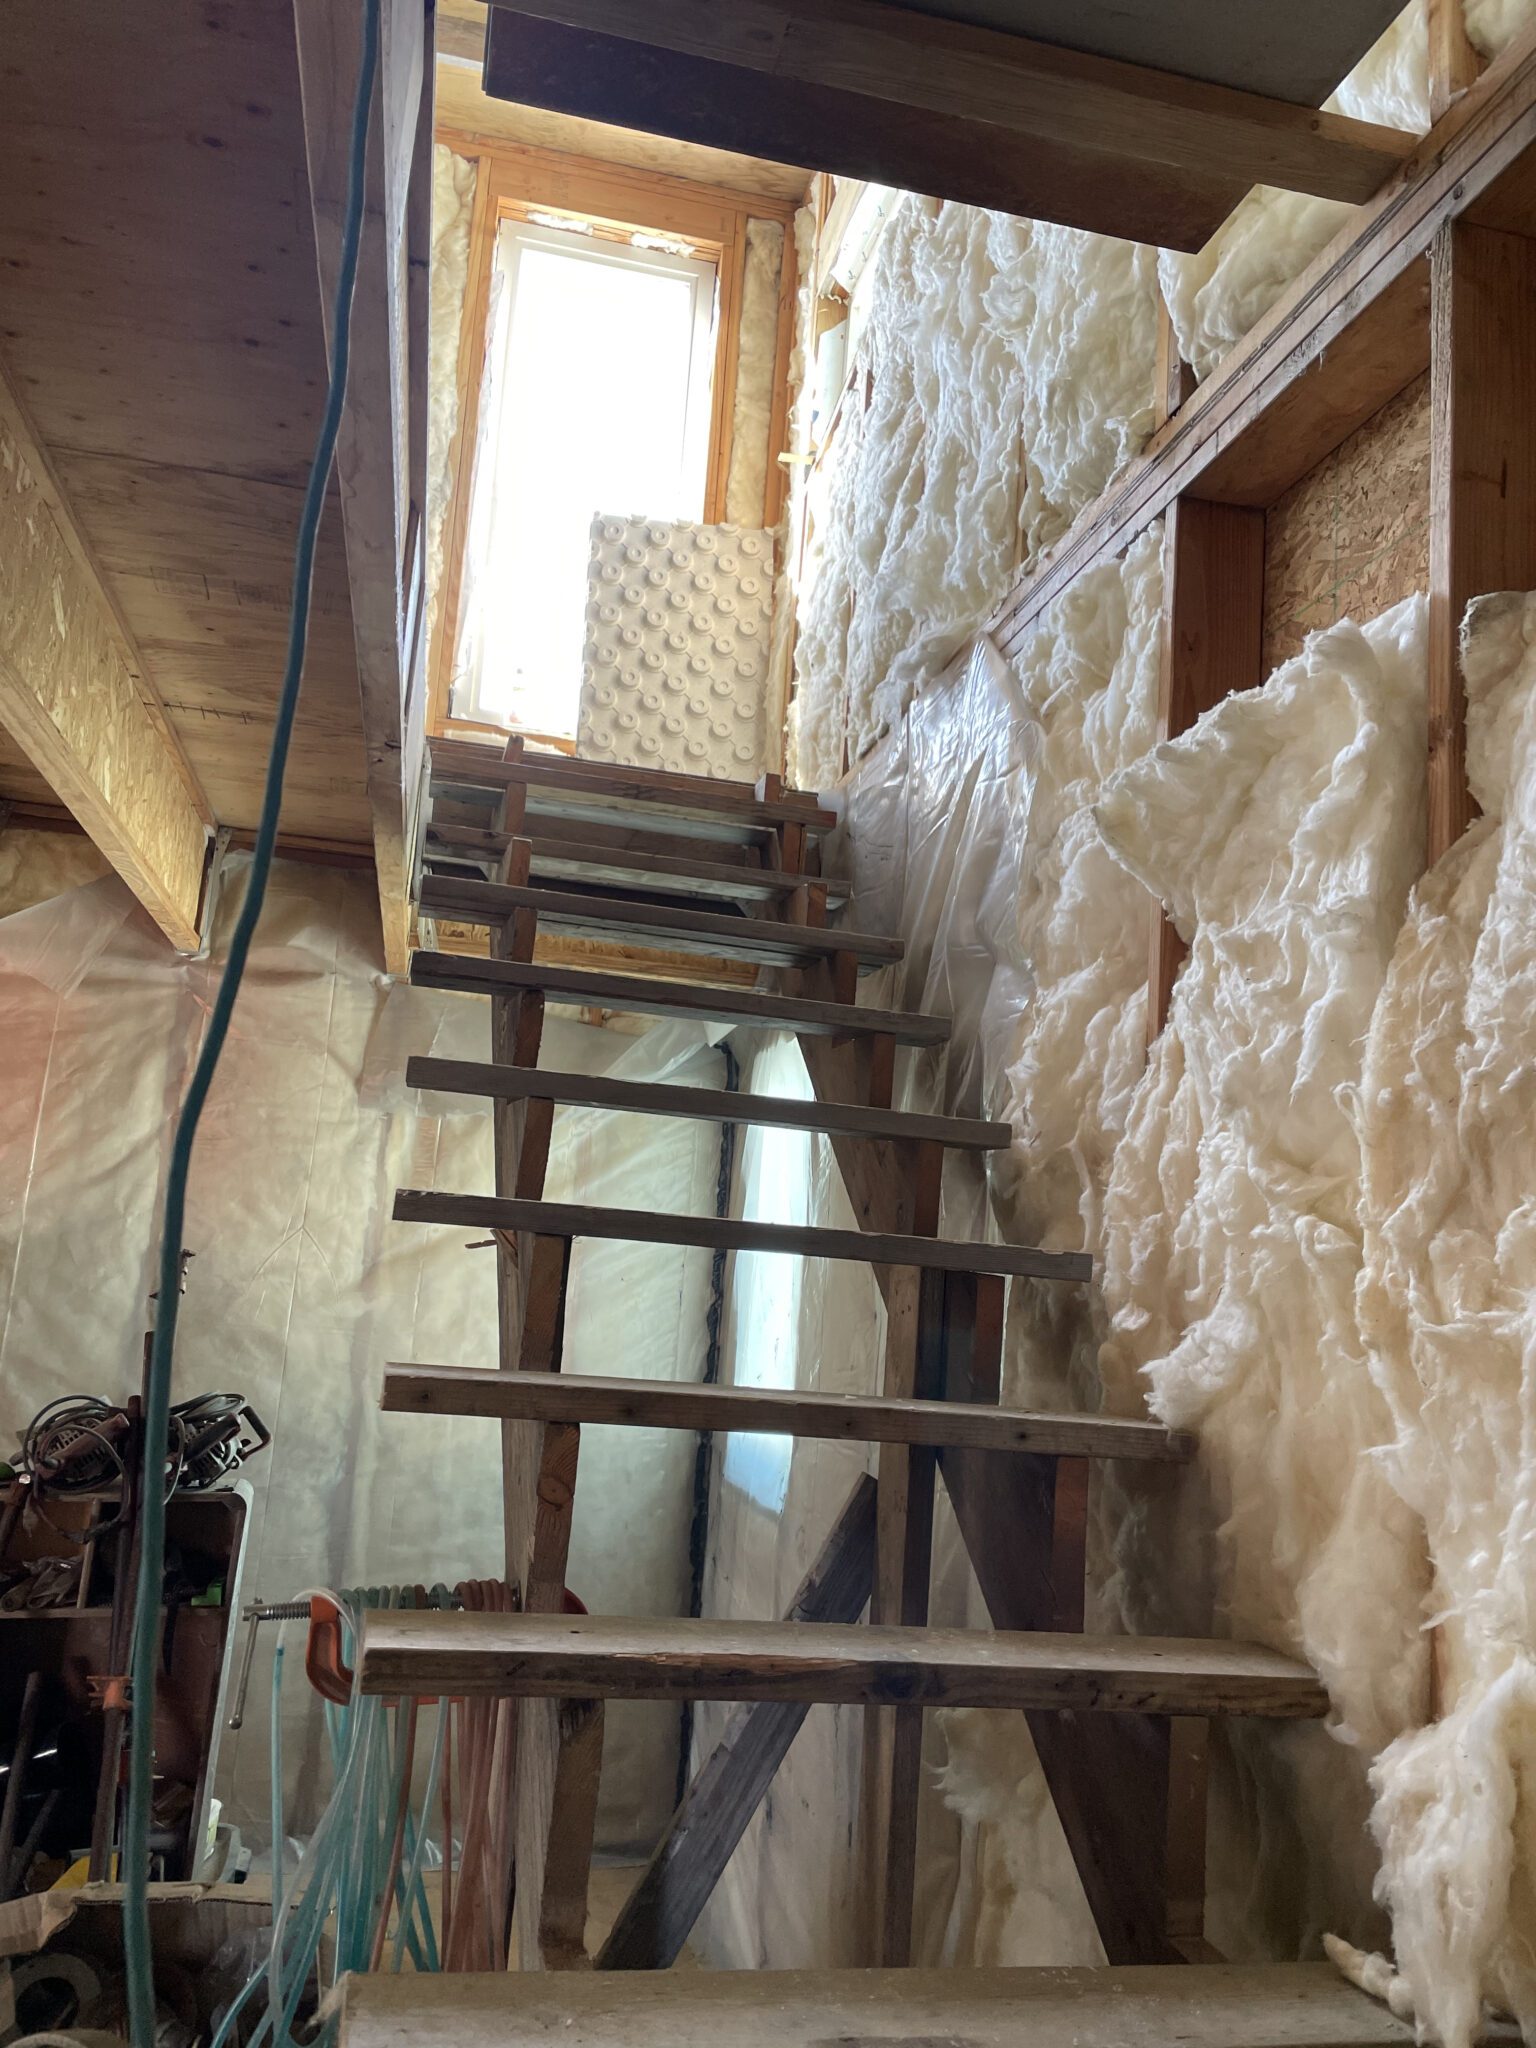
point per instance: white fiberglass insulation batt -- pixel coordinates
(1009, 372)
(1447, 1128)
(1283, 833)
(302, 1287)
(751, 416)
(453, 204)
(970, 833)
(1217, 294)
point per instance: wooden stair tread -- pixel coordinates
(582, 1656)
(702, 813)
(630, 992)
(732, 1233)
(662, 873)
(719, 934)
(858, 1418)
(709, 1105)
(727, 791)
(1208, 2005)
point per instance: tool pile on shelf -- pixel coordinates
(69, 1540)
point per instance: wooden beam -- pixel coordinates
(604, 78)
(73, 696)
(1482, 475)
(1274, 2005)
(382, 503)
(891, 95)
(845, 1418)
(1454, 64)
(737, 1234)
(557, 1754)
(727, 1790)
(1345, 337)
(1212, 644)
(1108, 1777)
(538, 1656)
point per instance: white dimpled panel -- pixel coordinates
(676, 664)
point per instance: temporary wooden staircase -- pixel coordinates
(527, 846)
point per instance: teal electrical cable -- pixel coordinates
(146, 1630)
(415, 1890)
(275, 1751)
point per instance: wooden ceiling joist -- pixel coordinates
(875, 91)
(73, 695)
(381, 452)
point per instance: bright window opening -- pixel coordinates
(597, 400)
(776, 1182)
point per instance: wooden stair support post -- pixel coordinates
(1109, 1783)
(1109, 1780)
(893, 1736)
(864, 1071)
(701, 1837)
(1482, 473)
(558, 1743)
(1212, 644)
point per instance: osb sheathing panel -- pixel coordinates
(67, 698)
(1352, 537)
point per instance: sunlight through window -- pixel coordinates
(599, 373)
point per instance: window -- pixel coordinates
(776, 1182)
(597, 400)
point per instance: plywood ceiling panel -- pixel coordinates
(161, 316)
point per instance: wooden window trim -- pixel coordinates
(515, 181)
